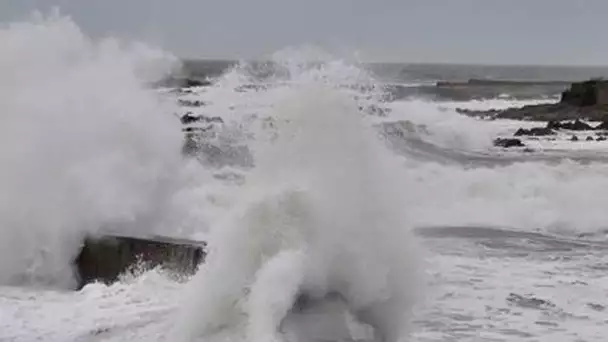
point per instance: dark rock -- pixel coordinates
(375, 110)
(182, 82)
(546, 112)
(574, 138)
(596, 307)
(529, 302)
(190, 103)
(589, 138)
(198, 130)
(105, 258)
(528, 150)
(554, 125)
(603, 126)
(577, 125)
(535, 131)
(600, 138)
(189, 118)
(190, 82)
(508, 142)
(587, 93)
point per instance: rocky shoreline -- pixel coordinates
(582, 101)
(581, 104)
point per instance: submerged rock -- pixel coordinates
(105, 258)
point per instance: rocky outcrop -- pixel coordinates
(544, 112)
(190, 103)
(576, 125)
(190, 118)
(104, 259)
(582, 101)
(508, 142)
(536, 131)
(588, 93)
(603, 126)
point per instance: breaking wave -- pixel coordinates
(87, 147)
(83, 145)
(320, 212)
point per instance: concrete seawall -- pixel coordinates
(104, 259)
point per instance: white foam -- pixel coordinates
(83, 145)
(321, 200)
(325, 207)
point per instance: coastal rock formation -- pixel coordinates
(105, 258)
(583, 101)
(576, 125)
(508, 142)
(588, 93)
(535, 131)
(190, 103)
(190, 118)
(603, 126)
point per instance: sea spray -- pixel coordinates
(320, 212)
(83, 145)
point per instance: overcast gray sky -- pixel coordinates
(460, 31)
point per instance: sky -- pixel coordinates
(553, 32)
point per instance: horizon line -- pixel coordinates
(445, 63)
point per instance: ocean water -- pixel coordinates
(397, 202)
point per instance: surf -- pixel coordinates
(319, 214)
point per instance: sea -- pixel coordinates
(318, 173)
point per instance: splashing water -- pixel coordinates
(83, 145)
(319, 213)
